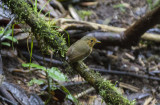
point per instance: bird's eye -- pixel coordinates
(91, 40)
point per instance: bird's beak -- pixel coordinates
(98, 41)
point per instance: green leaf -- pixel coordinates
(11, 38)
(43, 7)
(35, 7)
(56, 74)
(69, 95)
(9, 31)
(33, 65)
(1, 31)
(36, 81)
(6, 44)
(31, 50)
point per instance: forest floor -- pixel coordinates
(137, 69)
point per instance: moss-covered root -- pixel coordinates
(106, 89)
(45, 35)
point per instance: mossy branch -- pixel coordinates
(46, 36)
(107, 90)
(49, 38)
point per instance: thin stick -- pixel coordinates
(84, 92)
(2, 36)
(126, 74)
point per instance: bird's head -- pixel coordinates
(91, 41)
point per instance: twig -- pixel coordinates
(84, 92)
(54, 3)
(73, 83)
(130, 87)
(25, 71)
(2, 36)
(113, 36)
(65, 84)
(53, 61)
(73, 13)
(126, 74)
(147, 101)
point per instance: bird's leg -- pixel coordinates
(82, 65)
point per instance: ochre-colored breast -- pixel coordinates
(79, 51)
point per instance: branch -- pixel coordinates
(132, 35)
(107, 90)
(127, 37)
(116, 72)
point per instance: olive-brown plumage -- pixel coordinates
(81, 49)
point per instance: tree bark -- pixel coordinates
(132, 35)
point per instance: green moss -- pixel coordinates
(47, 37)
(84, 13)
(107, 90)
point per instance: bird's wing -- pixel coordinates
(78, 54)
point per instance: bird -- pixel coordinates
(81, 49)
